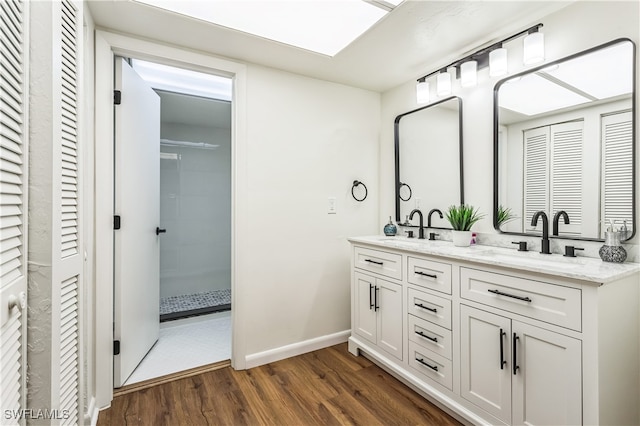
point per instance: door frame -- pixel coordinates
(108, 45)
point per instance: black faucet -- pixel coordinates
(545, 230)
(556, 219)
(421, 231)
(429, 216)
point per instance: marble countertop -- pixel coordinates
(580, 268)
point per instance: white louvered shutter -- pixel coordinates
(617, 163)
(13, 200)
(536, 174)
(566, 175)
(71, 259)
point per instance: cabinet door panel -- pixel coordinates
(389, 301)
(365, 315)
(547, 388)
(484, 382)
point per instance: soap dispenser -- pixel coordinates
(390, 228)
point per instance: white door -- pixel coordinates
(365, 315)
(137, 202)
(485, 361)
(547, 387)
(388, 303)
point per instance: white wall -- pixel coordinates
(307, 140)
(573, 29)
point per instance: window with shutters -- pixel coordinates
(617, 164)
(553, 174)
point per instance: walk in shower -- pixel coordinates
(195, 205)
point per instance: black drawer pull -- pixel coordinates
(421, 334)
(433, 367)
(502, 360)
(516, 367)
(424, 274)
(371, 304)
(498, 292)
(420, 305)
(373, 261)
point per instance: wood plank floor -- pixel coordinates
(326, 387)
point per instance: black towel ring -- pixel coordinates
(410, 192)
(355, 184)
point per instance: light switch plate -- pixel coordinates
(331, 205)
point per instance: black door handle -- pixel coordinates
(160, 231)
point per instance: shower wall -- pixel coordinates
(195, 208)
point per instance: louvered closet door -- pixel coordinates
(566, 175)
(536, 174)
(13, 200)
(617, 179)
(67, 343)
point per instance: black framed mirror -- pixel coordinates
(564, 140)
(428, 155)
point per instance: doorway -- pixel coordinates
(192, 158)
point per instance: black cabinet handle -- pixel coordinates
(160, 231)
(376, 306)
(370, 296)
(420, 305)
(433, 367)
(373, 261)
(515, 366)
(424, 274)
(502, 360)
(526, 299)
(421, 334)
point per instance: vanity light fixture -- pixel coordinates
(443, 87)
(422, 92)
(469, 73)
(493, 56)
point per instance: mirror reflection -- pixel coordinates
(564, 143)
(428, 145)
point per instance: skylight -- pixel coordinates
(321, 26)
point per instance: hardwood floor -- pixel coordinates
(326, 387)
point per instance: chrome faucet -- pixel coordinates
(545, 230)
(556, 219)
(429, 216)
(421, 231)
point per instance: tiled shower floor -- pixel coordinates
(195, 304)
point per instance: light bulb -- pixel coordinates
(469, 74)
(422, 92)
(444, 84)
(498, 62)
(533, 48)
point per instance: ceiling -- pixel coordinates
(194, 110)
(416, 38)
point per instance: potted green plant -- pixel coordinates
(462, 218)
(504, 215)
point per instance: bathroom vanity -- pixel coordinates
(497, 336)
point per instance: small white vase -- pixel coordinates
(461, 238)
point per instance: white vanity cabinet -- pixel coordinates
(501, 342)
(378, 312)
(519, 373)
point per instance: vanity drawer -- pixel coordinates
(543, 301)
(429, 274)
(380, 262)
(430, 336)
(431, 365)
(429, 307)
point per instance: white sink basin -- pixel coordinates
(529, 258)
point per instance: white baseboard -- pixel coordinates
(283, 352)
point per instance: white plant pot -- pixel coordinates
(461, 238)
